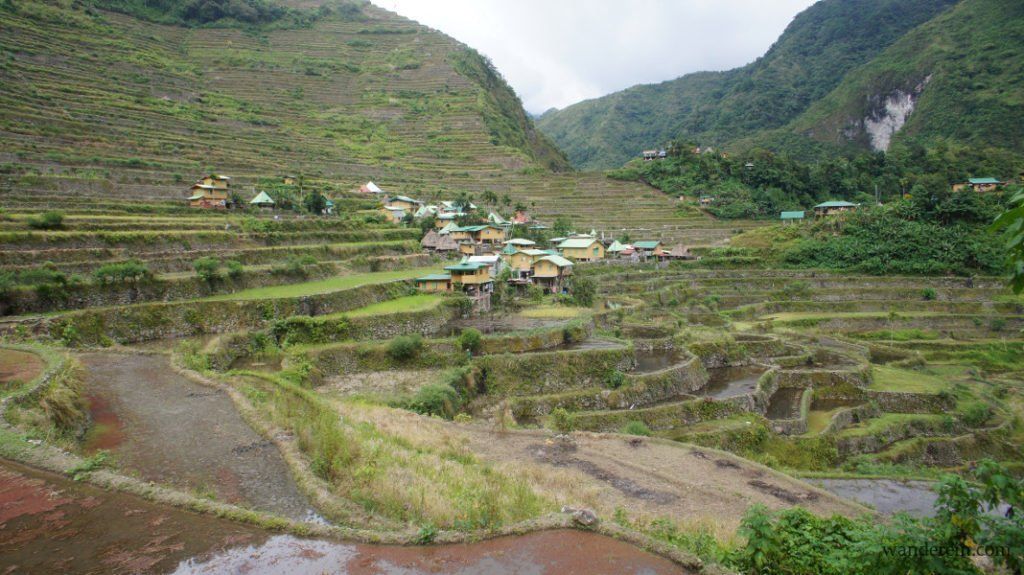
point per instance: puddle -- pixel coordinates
(53, 525)
(107, 431)
(731, 381)
(785, 403)
(648, 361)
(887, 496)
(168, 429)
(19, 366)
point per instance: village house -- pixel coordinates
(705, 200)
(474, 278)
(493, 261)
(481, 234)
(262, 201)
(288, 180)
(328, 207)
(425, 211)
(833, 207)
(405, 202)
(370, 188)
(584, 249)
(394, 215)
(521, 243)
(443, 220)
(616, 248)
(979, 185)
(434, 283)
(648, 249)
(680, 252)
(649, 155)
(210, 192)
(789, 217)
(446, 244)
(551, 272)
(521, 218)
(429, 241)
(454, 208)
(521, 261)
(496, 219)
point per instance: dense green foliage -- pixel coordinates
(405, 347)
(131, 271)
(798, 542)
(816, 51)
(1012, 222)
(47, 221)
(760, 184)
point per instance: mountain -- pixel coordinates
(812, 57)
(250, 86)
(956, 78)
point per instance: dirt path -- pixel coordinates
(168, 429)
(51, 525)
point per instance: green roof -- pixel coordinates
(534, 253)
(792, 215)
(977, 181)
(835, 204)
(406, 199)
(466, 267)
(196, 197)
(576, 243)
(521, 242)
(557, 260)
(435, 278)
(509, 249)
(262, 198)
(616, 247)
(647, 245)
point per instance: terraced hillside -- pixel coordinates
(102, 110)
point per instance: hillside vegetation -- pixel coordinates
(812, 56)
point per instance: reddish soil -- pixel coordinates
(107, 431)
(19, 366)
(49, 524)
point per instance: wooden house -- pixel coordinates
(979, 185)
(442, 220)
(551, 273)
(649, 155)
(584, 249)
(210, 192)
(680, 252)
(481, 234)
(434, 283)
(394, 215)
(471, 277)
(493, 261)
(405, 202)
(648, 249)
(833, 207)
(289, 180)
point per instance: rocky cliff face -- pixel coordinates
(888, 114)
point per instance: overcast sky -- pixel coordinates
(558, 52)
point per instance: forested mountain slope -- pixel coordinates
(818, 49)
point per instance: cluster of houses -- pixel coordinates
(487, 252)
(214, 192)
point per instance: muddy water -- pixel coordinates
(167, 429)
(731, 381)
(18, 367)
(886, 495)
(785, 403)
(648, 361)
(51, 525)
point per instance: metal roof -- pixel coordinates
(434, 278)
(557, 260)
(835, 204)
(984, 181)
(262, 198)
(792, 216)
(647, 245)
(577, 243)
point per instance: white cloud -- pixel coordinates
(558, 52)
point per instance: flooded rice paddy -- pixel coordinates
(649, 361)
(731, 381)
(785, 403)
(53, 525)
(167, 429)
(19, 366)
(887, 496)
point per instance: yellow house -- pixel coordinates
(582, 249)
(469, 273)
(522, 260)
(393, 215)
(467, 249)
(210, 192)
(404, 202)
(550, 272)
(434, 283)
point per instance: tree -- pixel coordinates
(562, 226)
(489, 197)
(207, 268)
(315, 202)
(1011, 223)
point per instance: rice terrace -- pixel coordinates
(301, 286)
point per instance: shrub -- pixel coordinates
(207, 268)
(561, 420)
(131, 271)
(47, 221)
(615, 379)
(438, 399)
(405, 347)
(470, 340)
(928, 294)
(235, 268)
(583, 291)
(976, 414)
(636, 428)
